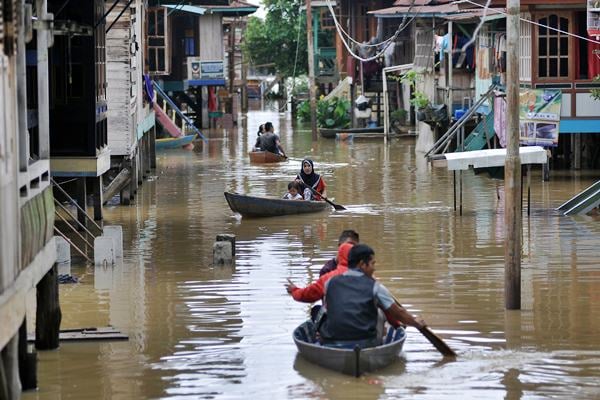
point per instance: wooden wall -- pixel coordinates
(211, 37)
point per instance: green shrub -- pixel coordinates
(332, 113)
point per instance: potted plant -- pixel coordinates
(421, 103)
(398, 118)
(332, 113)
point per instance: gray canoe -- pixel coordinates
(256, 207)
(348, 361)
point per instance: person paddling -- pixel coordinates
(352, 300)
(309, 179)
(269, 141)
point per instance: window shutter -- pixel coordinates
(525, 49)
(1, 27)
(9, 29)
(424, 50)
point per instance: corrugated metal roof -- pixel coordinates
(188, 9)
(235, 7)
(426, 11)
(420, 2)
(476, 14)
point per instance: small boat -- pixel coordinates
(174, 142)
(331, 133)
(256, 207)
(263, 157)
(348, 361)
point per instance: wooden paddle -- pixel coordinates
(336, 206)
(434, 339)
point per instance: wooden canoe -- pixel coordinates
(348, 361)
(174, 142)
(263, 157)
(256, 207)
(332, 133)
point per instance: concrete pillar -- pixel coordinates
(104, 250)
(224, 237)
(222, 253)
(63, 250)
(116, 233)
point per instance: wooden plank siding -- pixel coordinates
(121, 112)
(211, 37)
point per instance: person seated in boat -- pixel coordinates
(352, 300)
(293, 192)
(270, 142)
(347, 236)
(261, 130)
(313, 184)
(316, 290)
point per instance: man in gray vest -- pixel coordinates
(352, 300)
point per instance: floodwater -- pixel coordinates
(200, 331)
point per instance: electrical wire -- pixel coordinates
(387, 42)
(538, 24)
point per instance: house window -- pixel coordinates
(327, 22)
(157, 44)
(553, 47)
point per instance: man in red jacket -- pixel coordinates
(316, 290)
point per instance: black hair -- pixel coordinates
(349, 234)
(261, 129)
(358, 253)
(268, 126)
(295, 185)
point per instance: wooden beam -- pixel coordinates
(12, 300)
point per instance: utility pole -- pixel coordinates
(311, 72)
(512, 166)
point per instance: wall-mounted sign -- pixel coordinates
(539, 117)
(200, 69)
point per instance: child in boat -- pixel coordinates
(293, 191)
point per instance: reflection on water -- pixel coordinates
(199, 331)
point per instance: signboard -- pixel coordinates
(539, 117)
(198, 69)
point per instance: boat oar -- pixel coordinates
(434, 339)
(336, 206)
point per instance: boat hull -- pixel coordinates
(347, 361)
(264, 157)
(331, 133)
(259, 207)
(174, 143)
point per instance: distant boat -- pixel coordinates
(331, 133)
(262, 157)
(175, 142)
(256, 207)
(348, 361)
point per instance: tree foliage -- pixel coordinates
(274, 39)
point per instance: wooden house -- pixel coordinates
(131, 120)
(27, 248)
(186, 54)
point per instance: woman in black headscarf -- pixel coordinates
(310, 180)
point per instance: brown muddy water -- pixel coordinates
(198, 331)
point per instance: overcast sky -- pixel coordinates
(260, 12)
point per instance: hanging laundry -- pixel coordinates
(500, 119)
(463, 58)
(593, 59)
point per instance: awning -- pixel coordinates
(236, 8)
(441, 10)
(186, 9)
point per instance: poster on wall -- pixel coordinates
(200, 69)
(539, 117)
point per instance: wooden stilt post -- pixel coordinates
(81, 199)
(27, 361)
(512, 175)
(48, 314)
(10, 386)
(97, 196)
(152, 137)
(311, 71)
